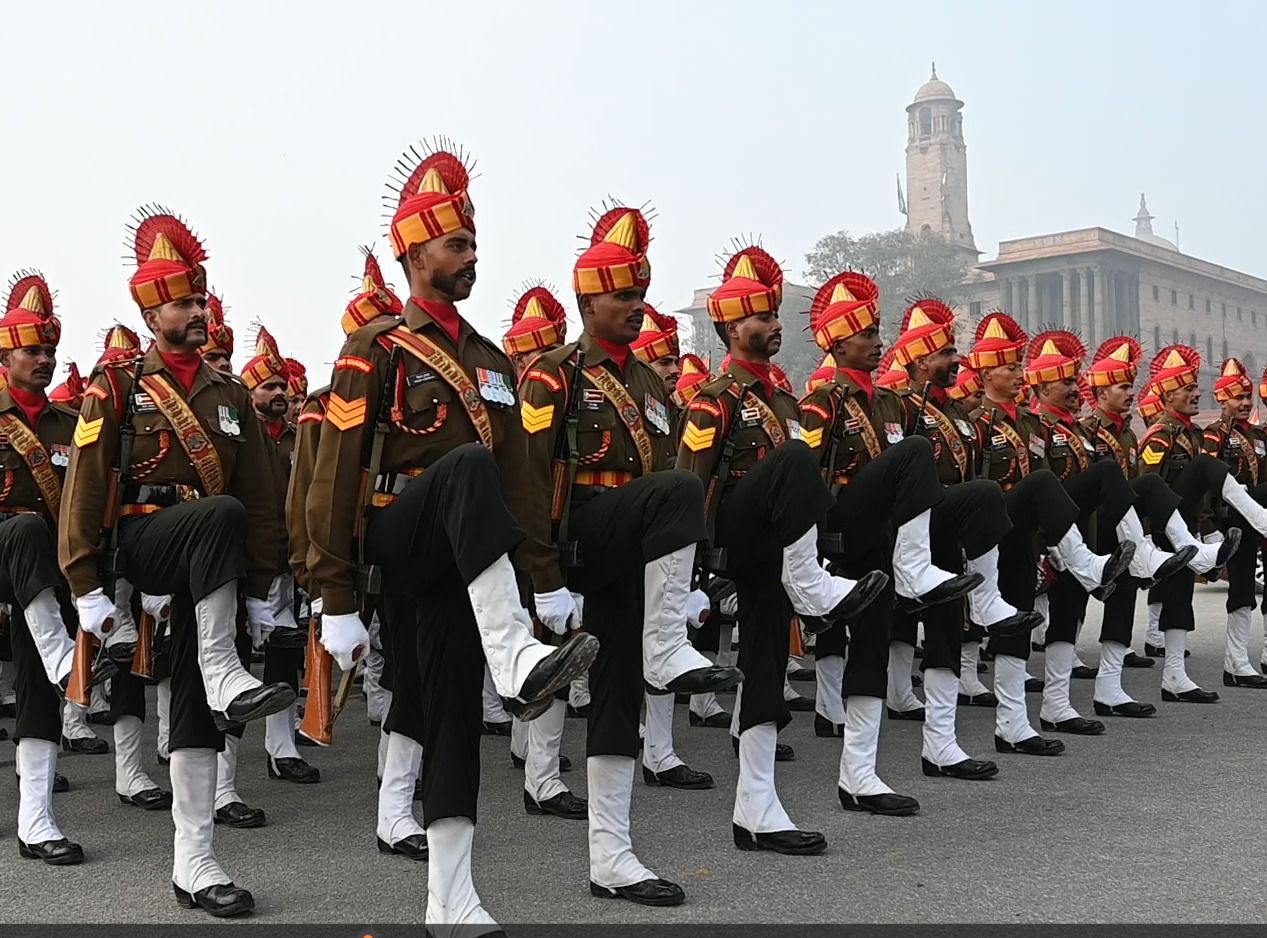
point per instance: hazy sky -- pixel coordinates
(272, 127)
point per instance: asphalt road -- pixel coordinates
(1157, 821)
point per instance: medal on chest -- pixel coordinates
(749, 417)
(1037, 446)
(657, 414)
(230, 423)
(592, 399)
(495, 387)
(965, 431)
(144, 404)
(893, 432)
(60, 455)
(794, 431)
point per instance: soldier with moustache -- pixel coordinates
(1235, 441)
(194, 520)
(601, 447)
(1012, 449)
(420, 472)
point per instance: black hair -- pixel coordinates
(720, 329)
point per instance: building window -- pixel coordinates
(974, 310)
(1240, 316)
(1191, 301)
(1192, 340)
(925, 122)
(1156, 293)
(1225, 348)
(1225, 311)
(1174, 337)
(1174, 298)
(1253, 317)
(1156, 334)
(1207, 307)
(1209, 347)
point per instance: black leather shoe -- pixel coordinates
(802, 674)
(293, 770)
(1179, 561)
(1034, 685)
(1022, 623)
(222, 900)
(1133, 660)
(793, 843)
(1231, 541)
(413, 847)
(288, 638)
(250, 705)
(982, 667)
(562, 666)
(9, 710)
(121, 653)
(162, 759)
(917, 680)
(152, 799)
(302, 740)
(101, 718)
(1244, 680)
(1083, 672)
(1129, 709)
(565, 765)
(565, 805)
(703, 680)
(1077, 726)
(1039, 647)
(579, 713)
(236, 814)
(1119, 562)
(86, 745)
(718, 721)
(1196, 695)
(1034, 746)
(500, 728)
(888, 805)
(782, 751)
(647, 892)
(1157, 651)
(915, 715)
(986, 699)
(4, 734)
(826, 728)
(956, 587)
(53, 852)
(680, 776)
(972, 770)
(60, 783)
(866, 591)
(800, 704)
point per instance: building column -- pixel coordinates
(1034, 316)
(1099, 334)
(1005, 294)
(1084, 302)
(1066, 289)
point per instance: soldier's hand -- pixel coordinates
(160, 607)
(345, 638)
(95, 609)
(259, 620)
(697, 606)
(556, 609)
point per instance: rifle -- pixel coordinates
(714, 559)
(563, 468)
(370, 576)
(923, 406)
(833, 542)
(987, 441)
(88, 650)
(323, 707)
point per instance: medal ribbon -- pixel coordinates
(453, 374)
(37, 460)
(189, 431)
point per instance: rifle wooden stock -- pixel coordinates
(143, 658)
(318, 721)
(79, 687)
(560, 488)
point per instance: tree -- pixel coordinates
(902, 265)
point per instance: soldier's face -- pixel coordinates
(862, 350)
(293, 406)
(760, 335)
(446, 265)
(1238, 407)
(180, 324)
(1003, 382)
(31, 368)
(614, 317)
(1062, 394)
(941, 368)
(974, 400)
(669, 370)
(1186, 401)
(219, 361)
(1117, 398)
(269, 398)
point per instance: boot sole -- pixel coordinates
(864, 809)
(275, 704)
(28, 854)
(577, 661)
(751, 846)
(602, 892)
(1104, 710)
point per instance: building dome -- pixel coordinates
(934, 90)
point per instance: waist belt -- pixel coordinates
(605, 478)
(147, 499)
(389, 485)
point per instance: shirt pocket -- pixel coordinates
(152, 441)
(595, 433)
(426, 408)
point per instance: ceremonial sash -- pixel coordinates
(36, 457)
(769, 420)
(1013, 436)
(948, 432)
(1247, 447)
(869, 438)
(1118, 453)
(453, 374)
(189, 431)
(1074, 441)
(628, 412)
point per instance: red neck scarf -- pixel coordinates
(31, 402)
(619, 353)
(1243, 425)
(445, 315)
(759, 370)
(183, 366)
(1059, 413)
(862, 379)
(1008, 408)
(275, 428)
(1186, 421)
(939, 396)
(1118, 420)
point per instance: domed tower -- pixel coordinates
(937, 166)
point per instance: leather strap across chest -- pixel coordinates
(452, 373)
(189, 431)
(33, 453)
(947, 430)
(628, 411)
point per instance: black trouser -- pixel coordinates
(887, 492)
(446, 528)
(772, 506)
(28, 567)
(1036, 504)
(972, 520)
(187, 551)
(618, 532)
(1241, 592)
(1202, 476)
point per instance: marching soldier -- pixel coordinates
(36, 438)
(193, 521)
(538, 325)
(600, 450)
(296, 389)
(432, 404)
(1236, 442)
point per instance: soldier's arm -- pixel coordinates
(307, 436)
(542, 410)
(334, 497)
(94, 450)
(703, 430)
(817, 416)
(1212, 440)
(264, 529)
(1156, 445)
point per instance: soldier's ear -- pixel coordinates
(4, 357)
(584, 304)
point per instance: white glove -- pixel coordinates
(281, 596)
(160, 607)
(697, 605)
(259, 620)
(556, 609)
(95, 609)
(580, 609)
(315, 607)
(1214, 537)
(345, 638)
(729, 607)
